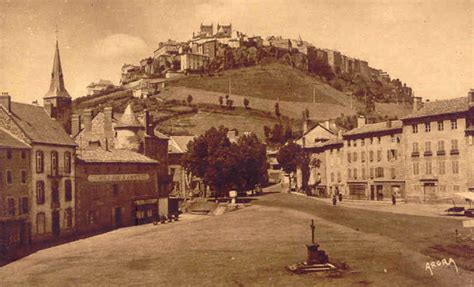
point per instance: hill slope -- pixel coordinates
(270, 81)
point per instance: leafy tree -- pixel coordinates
(246, 103)
(289, 157)
(253, 161)
(189, 99)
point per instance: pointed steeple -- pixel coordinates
(128, 119)
(57, 88)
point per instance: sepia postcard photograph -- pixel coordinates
(236, 143)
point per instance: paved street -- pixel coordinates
(250, 247)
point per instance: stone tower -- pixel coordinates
(129, 132)
(57, 101)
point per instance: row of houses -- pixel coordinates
(63, 174)
(426, 156)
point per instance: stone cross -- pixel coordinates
(312, 230)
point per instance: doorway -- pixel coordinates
(55, 222)
(118, 216)
(372, 192)
(429, 190)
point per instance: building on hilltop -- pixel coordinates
(99, 87)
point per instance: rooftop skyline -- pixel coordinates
(428, 45)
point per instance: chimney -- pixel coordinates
(108, 131)
(360, 121)
(417, 103)
(389, 123)
(471, 98)
(149, 129)
(75, 124)
(87, 120)
(5, 100)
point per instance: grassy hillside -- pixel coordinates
(270, 81)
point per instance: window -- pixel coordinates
(332, 176)
(9, 154)
(391, 154)
(456, 188)
(414, 128)
(415, 147)
(140, 214)
(362, 156)
(349, 157)
(355, 173)
(115, 189)
(371, 172)
(40, 192)
(427, 146)
(427, 127)
(441, 145)
(441, 167)
(54, 192)
(40, 223)
(24, 177)
(428, 168)
(379, 172)
(379, 155)
(68, 218)
(416, 168)
(455, 167)
(349, 143)
(24, 205)
(149, 212)
(454, 124)
(54, 163)
(379, 140)
(11, 206)
(364, 175)
(362, 142)
(442, 188)
(338, 176)
(23, 154)
(454, 144)
(349, 173)
(354, 156)
(393, 174)
(440, 126)
(68, 190)
(67, 162)
(355, 143)
(371, 141)
(9, 177)
(371, 155)
(39, 161)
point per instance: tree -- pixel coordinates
(246, 103)
(277, 110)
(289, 157)
(189, 99)
(223, 165)
(221, 101)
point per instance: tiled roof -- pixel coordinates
(111, 156)
(377, 127)
(179, 144)
(457, 105)
(7, 140)
(38, 126)
(129, 119)
(323, 144)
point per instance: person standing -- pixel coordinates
(334, 199)
(394, 198)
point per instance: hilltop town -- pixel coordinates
(85, 168)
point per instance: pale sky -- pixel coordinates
(427, 44)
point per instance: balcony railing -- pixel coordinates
(441, 152)
(415, 154)
(427, 153)
(454, 151)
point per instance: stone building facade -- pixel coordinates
(439, 150)
(374, 160)
(15, 204)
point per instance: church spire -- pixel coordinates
(57, 88)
